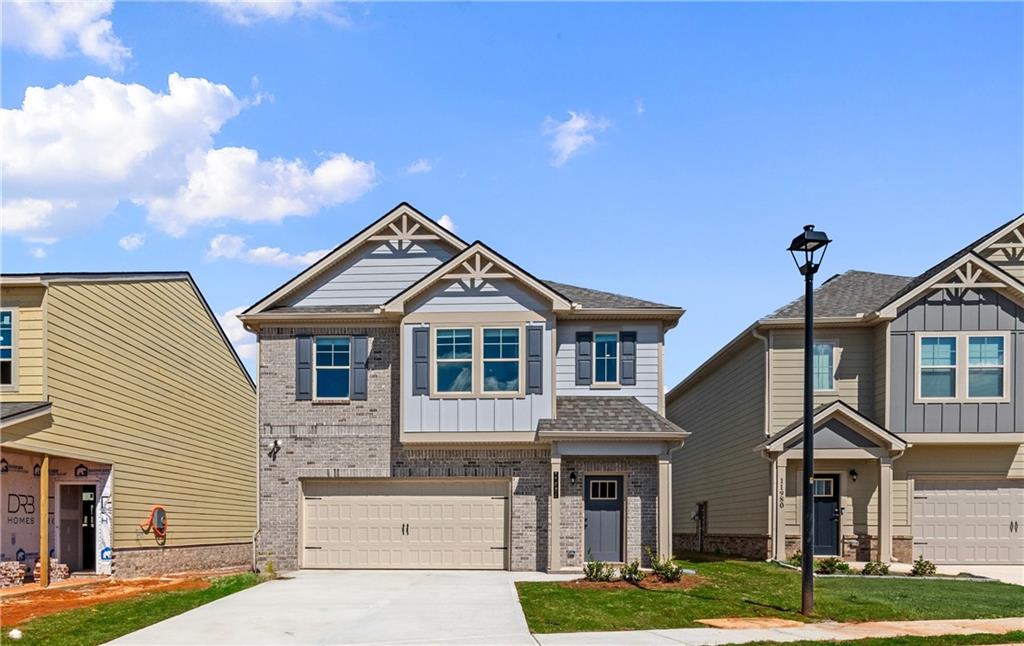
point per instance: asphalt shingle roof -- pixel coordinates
(594, 298)
(847, 294)
(313, 309)
(604, 414)
(10, 409)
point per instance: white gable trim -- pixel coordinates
(853, 419)
(966, 273)
(1013, 225)
(401, 224)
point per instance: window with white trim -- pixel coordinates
(937, 377)
(453, 351)
(986, 366)
(606, 358)
(6, 347)
(963, 366)
(501, 359)
(823, 487)
(604, 490)
(823, 366)
(332, 367)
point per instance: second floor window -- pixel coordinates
(823, 367)
(985, 365)
(938, 367)
(333, 367)
(6, 347)
(454, 358)
(501, 360)
(606, 358)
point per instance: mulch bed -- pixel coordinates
(651, 583)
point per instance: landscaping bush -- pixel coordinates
(875, 568)
(594, 570)
(922, 567)
(796, 560)
(831, 565)
(631, 572)
(666, 570)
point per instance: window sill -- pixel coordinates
(332, 402)
(606, 386)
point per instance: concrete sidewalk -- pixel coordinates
(787, 631)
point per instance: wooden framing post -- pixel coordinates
(885, 510)
(779, 504)
(44, 522)
(664, 506)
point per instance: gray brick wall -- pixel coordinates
(147, 561)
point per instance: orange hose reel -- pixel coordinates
(157, 522)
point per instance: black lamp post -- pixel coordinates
(804, 248)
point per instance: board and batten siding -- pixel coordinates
(724, 412)
(648, 342)
(29, 381)
(423, 413)
(374, 273)
(141, 379)
(854, 372)
(941, 311)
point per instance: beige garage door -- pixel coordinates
(426, 524)
(961, 521)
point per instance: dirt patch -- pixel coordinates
(686, 583)
(18, 609)
(649, 583)
(749, 622)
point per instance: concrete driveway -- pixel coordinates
(356, 607)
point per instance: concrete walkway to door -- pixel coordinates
(357, 607)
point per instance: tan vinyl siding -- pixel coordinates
(859, 499)
(854, 372)
(141, 379)
(29, 382)
(724, 411)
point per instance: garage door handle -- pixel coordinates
(311, 547)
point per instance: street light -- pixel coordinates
(805, 247)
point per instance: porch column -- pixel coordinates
(44, 522)
(779, 509)
(555, 523)
(664, 506)
(885, 509)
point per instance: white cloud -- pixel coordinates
(38, 252)
(419, 166)
(247, 13)
(639, 106)
(570, 136)
(132, 241)
(53, 29)
(447, 222)
(72, 152)
(235, 248)
(243, 340)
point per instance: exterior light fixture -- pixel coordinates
(572, 478)
(808, 250)
(853, 475)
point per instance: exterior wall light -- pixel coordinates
(854, 474)
(572, 478)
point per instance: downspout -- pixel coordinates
(772, 504)
(256, 532)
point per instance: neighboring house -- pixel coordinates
(427, 403)
(119, 392)
(919, 423)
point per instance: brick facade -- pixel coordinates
(360, 439)
(149, 561)
(750, 546)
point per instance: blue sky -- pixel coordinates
(704, 137)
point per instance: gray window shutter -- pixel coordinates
(421, 361)
(303, 368)
(627, 358)
(534, 360)
(360, 366)
(584, 358)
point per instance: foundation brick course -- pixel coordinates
(749, 546)
(149, 561)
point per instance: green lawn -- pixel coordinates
(1014, 637)
(736, 588)
(102, 623)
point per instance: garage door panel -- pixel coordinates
(968, 521)
(450, 524)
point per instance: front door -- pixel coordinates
(602, 518)
(826, 515)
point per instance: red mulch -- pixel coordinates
(652, 583)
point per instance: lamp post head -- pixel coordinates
(806, 246)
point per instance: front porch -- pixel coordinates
(853, 479)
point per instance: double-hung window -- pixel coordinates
(963, 366)
(501, 359)
(454, 360)
(823, 366)
(986, 366)
(6, 347)
(938, 377)
(333, 367)
(606, 358)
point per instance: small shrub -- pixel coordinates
(922, 567)
(269, 570)
(594, 570)
(831, 565)
(875, 568)
(631, 572)
(666, 570)
(796, 560)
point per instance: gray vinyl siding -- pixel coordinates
(724, 412)
(374, 273)
(648, 340)
(881, 335)
(983, 310)
(493, 296)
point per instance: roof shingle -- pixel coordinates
(605, 414)
(847, 294)
(593, 298)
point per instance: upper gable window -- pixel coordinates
(501, 359)
(331, 379)
(986, 366)
(606, 358)
(938, 367)
(6, 347)
(454, 359)
(823, 366)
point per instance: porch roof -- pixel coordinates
(13, 412)
(606, 417)
(849, 417)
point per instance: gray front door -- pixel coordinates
(602, 518)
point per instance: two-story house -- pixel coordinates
(919, 422)
(121, 396)
(425, 402)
